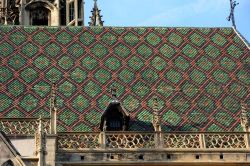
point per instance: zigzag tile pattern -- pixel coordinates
(200, 75)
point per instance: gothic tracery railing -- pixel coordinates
(152, 141)
(181, 140)
(225, 140)
(78, 141)
(130, 140)
(21, 126)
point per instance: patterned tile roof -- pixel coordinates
(200, 75)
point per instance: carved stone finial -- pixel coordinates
(40, 126)
(155, 104)
(156, 116)
(244, 117)
(53, 110)
(53, 96)
(233, 4)
(96, 18)
(114, 94)
(40, 142)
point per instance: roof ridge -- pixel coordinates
(174, 27)
(242, 38)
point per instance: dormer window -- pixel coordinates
(115, 124)
(115, 117)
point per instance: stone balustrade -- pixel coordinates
(22, 126)
(148, 141)
(122, 141)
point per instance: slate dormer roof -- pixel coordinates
(199, 75)
(113, 111)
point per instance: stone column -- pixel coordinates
(51, 144)
(76, 12)
(67, 11)
(55, 14)
(40, 143)
(102, 140)
(82, 8)
(202, 141)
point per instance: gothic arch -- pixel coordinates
(8, 163)
(41, 3)
(40, 12)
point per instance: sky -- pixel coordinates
(172, 13)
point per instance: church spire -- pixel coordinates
(96, 18)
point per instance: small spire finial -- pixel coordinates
(96, 18)
(155, 104)
(53, 96)
(244, 116)
(156, 116)
(233, 4)
(40, 142)
(114, 93)
(95, 3)
(53, 110)
(40, 128)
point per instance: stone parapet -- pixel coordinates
(152, 141)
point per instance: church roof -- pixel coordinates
(200, 75)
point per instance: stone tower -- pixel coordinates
(9, 13)
(42, 12)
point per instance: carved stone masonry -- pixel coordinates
(96, 18)
(156, 116)
(40, 140)
(244, 117)
(9, 12)
(114, 94)
(53, 110)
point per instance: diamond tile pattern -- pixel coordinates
(200, 75)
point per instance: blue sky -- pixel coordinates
(172, 13)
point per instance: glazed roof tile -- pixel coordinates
(200, 75)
